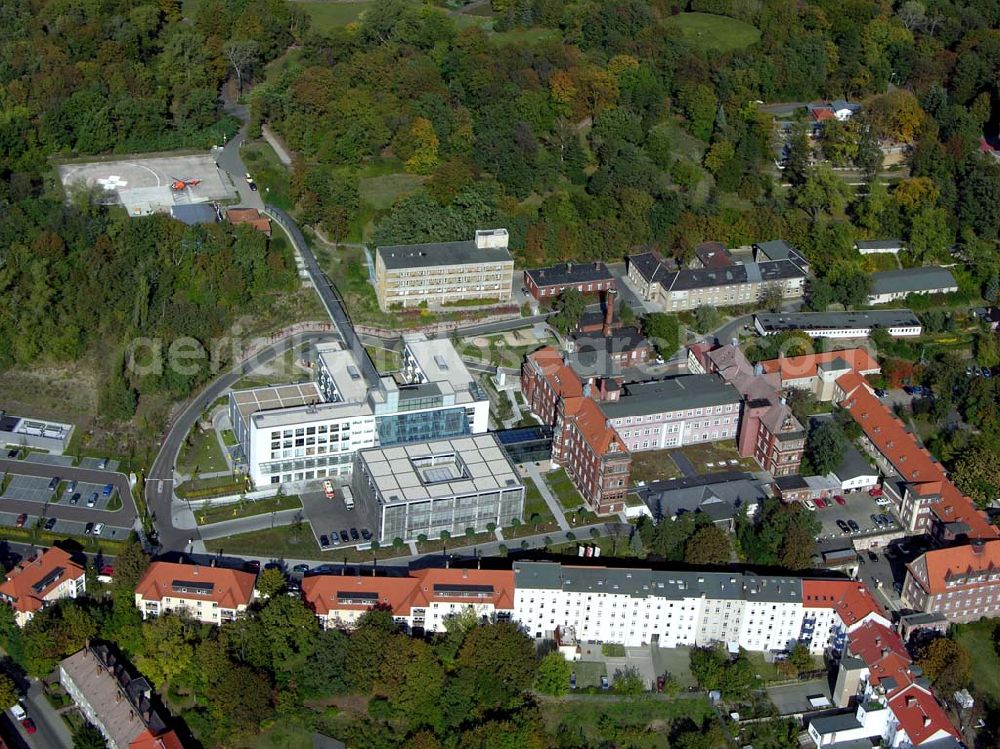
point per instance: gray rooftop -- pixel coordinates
(831, 723)
(912, 280)
(719, 496)
(889, 318)
(676, 393)
(434, 254)
(569, 273)
(879, 244)
(642, 583)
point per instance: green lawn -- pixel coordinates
(719, 454)
(382, 191)
(283, 543)
(710, 32)
(219, 513)
(268, 172)
(627, 721)
(201, 452)
(653, 465)
(562, 487)
(534, 504)
(282, 735)
(977, 638)
(327, 16)
(225, 484)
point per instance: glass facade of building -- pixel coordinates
(453, 514)
(420, 426)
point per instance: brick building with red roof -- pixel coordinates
(960, 582)
(209, 594)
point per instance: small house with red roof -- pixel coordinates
(40, 581)
(209, 594)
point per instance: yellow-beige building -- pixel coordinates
(443, 272)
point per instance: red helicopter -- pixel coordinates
(181, 184)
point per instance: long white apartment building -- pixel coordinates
(309, 431)
(637, 607)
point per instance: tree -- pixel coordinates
(270, 582)
(571, 305)
(771, 297)
(130, 564)
(8, 692)
(946, 663)
(664, 331)
(627, 681)
(168, 650)
(707, 318)
(987, 349)
(825, 446)
(800, 657)
(708, 545)
(823, 191)
(553, 675)
(977, 471)
(243, 56)
(87, 736)
(896, 115)
(501, 659)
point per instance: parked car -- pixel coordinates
(355, 536)
(108, 488)
(840, 500)
(344, 537)
(107, 570)
(50, 524)
(88, 529)
(324, 542)
(301, 568)
(334, 537)
(29, 726)
(660, 682)
(882, 501)
(873, 556)
(13, 454)
(844, 527)
(70, 487)
(92, 500)
(822, 503)
(605, 684)
(875, 491)
(572, 680)
(887, 520)
(252, 566)
(366, 534)
(75, 499)
(18, 711)
(21, 520)
(53, 483)
(985, 373)
(877, 521)
(98, 529)
(809, 505)
(102, 464)
(855, 528)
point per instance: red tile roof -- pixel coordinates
(249, 216)
(797, 367)
(226, 587)
(874, 641)
(401, 594)
(852, 600)
(560, 377)
(823, 113)
(920, 715)
(594, 427)
(914, 464)
(147, 740)
(960, 560)
(19, 588)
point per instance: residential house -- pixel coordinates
(119, 703)
(251, 217)
(550, 282)
(212, 595)
(891, 285)
(879, 246)
(962, 583)
(898, 322)
(423, 600)
(445, 272)
(41, 580)
(719, 496)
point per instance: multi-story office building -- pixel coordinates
(40, 581)
(961, 582)
(212, 595)
(768, 432)
(311, 431)
(726, 286)
(443, 272)
(675, 412)
(450, 485)
(422, 600)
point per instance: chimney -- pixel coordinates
(609, 313)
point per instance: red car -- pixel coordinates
(821, 503)
(108, 570)
(875, 491)
(840, 500)
(29, 725)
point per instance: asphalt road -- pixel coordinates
(160, 480)
(51, 730)
(123, 518)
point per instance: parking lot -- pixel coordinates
(859, 507)
(794, 698)
(29, 489)
(641, 659)
(36, 489)
(328, 517)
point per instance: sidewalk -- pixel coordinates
(554, 507)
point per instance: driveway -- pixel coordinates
(794, 698)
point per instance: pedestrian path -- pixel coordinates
(554, 507)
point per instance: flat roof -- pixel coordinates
(440, 468)
(569, 273)
(880, 244)
(440, 362)
(889, 318)
(676, 393)
(345, 371)
(434, 254)
(929, 278)
(276, 397)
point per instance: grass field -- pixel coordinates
(326, 16)
(653, 465)
(219, 513)
(534, 504)
(562, 487)
(202, 451)
(711, 32)
(977, 638)
(380, 192)
(719, 454)
(631, 721)
(268, 172)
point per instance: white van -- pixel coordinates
(348, 498)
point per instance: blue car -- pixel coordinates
(108, 488)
